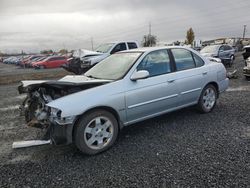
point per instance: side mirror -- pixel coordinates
(141, 74)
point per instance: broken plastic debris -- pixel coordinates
(29, 143)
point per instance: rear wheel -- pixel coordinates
(207, 99)
(96, 132)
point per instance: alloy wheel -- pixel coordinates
(98, 133)
(209, 99)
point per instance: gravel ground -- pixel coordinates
(180, 149)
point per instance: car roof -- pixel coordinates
(149, 49)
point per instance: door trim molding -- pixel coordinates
(190, 91)
(152, 101)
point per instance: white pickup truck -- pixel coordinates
(85, 59)
(107, 49)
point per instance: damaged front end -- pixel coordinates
(38, 114)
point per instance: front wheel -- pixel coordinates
(96, 132)
(208, 99)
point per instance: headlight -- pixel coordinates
(54, 112)
(55, 116)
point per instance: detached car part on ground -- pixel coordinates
(224, 52)
(246, 56)
(246, 69)
(125, 88)
(83, 60)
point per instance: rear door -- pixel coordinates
(190, 75)
(132, 45)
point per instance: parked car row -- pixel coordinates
(38, 61)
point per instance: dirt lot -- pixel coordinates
(180, 149)
(12, 74)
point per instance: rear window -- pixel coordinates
(132, 45)
(198, 61)
(183, 59)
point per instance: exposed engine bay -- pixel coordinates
(34, 108)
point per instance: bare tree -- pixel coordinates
(149, 40)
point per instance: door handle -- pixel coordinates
(204, 73)
(171, 80)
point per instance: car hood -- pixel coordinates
(70, 80)
(208, 54)
(84, 53)
(97, 59)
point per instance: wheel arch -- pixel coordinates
(216, 87)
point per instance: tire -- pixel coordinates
(41, 67)
(207, 102)
(248, 78)
(96, 132)
(231, 60)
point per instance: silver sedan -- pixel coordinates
(123, 89)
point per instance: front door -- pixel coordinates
(155, 94)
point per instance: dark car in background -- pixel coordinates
(50, 62)
(223, 51)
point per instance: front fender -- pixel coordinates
(80, 102)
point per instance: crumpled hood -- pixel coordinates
(82, 53)
(81, 79)
(70, 78)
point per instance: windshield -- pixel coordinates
(104, 48)
(210, 49)
(113, 67)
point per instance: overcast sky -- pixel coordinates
(33, 25)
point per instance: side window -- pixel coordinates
(228, 47)
(183, 59)
(119, 47)
(198, 61)
(51, 59)
(222, 48)
(60, 58)
(156, 63)
(132, 45)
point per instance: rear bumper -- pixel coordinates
(223, 85)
